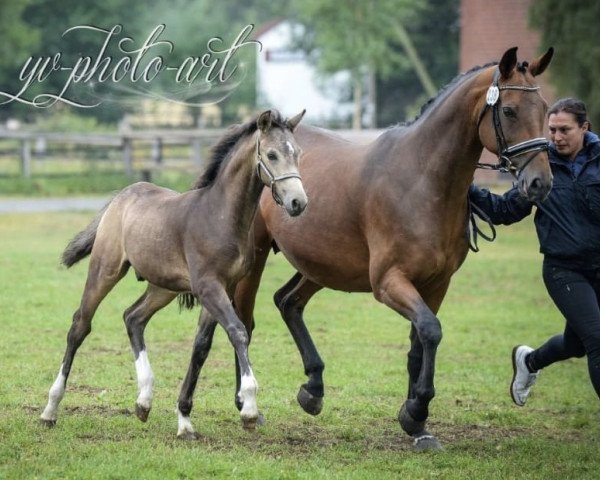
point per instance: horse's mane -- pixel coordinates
(444, 90)
(220, 152)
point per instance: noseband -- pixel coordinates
(261, 167)
(506, 153)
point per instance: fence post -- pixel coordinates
(128, 156)
(197, 153)
(156, 152)
(26, 158)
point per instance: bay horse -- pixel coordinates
(395, 223)
(195, 243)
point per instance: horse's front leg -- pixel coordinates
(399, 294)
(291, 299)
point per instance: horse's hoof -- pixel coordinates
(426, 442)
(409, 424)
(250, 423)
(309, 403)
(142, 412)
(48, 423)
(188, 436)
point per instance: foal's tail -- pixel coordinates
(81, 245)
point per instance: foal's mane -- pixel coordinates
(221, 151)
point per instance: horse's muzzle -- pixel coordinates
(536, 190)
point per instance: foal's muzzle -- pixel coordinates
(293, 199)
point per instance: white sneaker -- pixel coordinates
(523, 379)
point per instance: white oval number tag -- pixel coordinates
(492, 95)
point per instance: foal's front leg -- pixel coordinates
(218, 305)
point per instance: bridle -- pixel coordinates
(261, 168)
(506, 153)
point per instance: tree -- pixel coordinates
(17, 41)
(435, 35)
(34, 28)
(406, 48)
(359, 36)
(571, 27)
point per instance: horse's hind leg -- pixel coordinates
(201, 349)
(100, 280)
(291, 300)
(136, 318)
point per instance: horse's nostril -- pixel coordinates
(296, 207)
(536, 184)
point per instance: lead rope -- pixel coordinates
(473, 230)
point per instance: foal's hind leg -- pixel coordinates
(291, 300)
(136, 318)
(201, 349)
(101, 278)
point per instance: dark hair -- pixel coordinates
(573, 106)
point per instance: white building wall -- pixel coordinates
(287, 82)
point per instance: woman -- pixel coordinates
(568, 229)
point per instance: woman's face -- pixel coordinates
(566, 133)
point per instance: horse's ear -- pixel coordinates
(508, 62)
(538, 66)
(264, 121)
(294, 121)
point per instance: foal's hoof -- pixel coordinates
(425, 442)
(188, 436)
(409, 424)
(251, 423)
(308, 402)
(48, 423)
(142, 412)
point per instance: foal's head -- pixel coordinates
(277, 160)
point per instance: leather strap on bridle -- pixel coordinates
(506, 153)
(262, 168)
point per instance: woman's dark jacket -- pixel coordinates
(568, 221)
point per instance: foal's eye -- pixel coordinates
(272, 156)
(509, 112)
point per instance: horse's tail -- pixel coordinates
(81, 245)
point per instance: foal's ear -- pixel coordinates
(294, 121)
(508, 62)
(538, 66)
(264, 121)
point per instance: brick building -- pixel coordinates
(488, 29)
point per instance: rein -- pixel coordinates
(473, 230)
(261, 167)
(506, 153)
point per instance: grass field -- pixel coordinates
(496, 301)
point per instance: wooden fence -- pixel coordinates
(29, 146)
(37, 144)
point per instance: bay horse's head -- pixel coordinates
(511, 123)
(277, 155)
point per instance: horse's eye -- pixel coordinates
(272, 157)
(509, 112)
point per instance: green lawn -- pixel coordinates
(496, 300)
